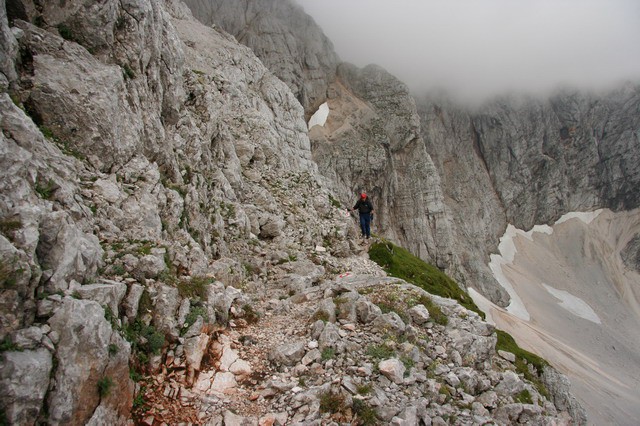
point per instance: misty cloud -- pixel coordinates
(478, 48)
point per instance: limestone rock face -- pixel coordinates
(371, 140)
(286, 39)
(24, 378)
(83, 360)
(527, 162)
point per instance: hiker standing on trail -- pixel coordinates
(365, 208)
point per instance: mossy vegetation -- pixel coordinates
(382, 351)
(195, 287)
(365, 415)
(331, 402)
(523, 360)
(399, 263)
(104, 386)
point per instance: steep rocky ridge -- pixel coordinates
(119, 159)
(372, 140)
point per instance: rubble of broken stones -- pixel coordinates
(358, 349)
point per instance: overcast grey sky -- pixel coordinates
(478, 48)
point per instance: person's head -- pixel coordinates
(363, 195)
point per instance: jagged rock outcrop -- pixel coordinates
(286, 39)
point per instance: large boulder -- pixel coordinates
(92, 365)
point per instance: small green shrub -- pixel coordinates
(45, 189)
(128, 72)
(65, 32)
(364, 389)
(113, 349)
(104, 386)
(328, 353)
(139, 401)
(194, 287)
(382, 351)
(144, 339)
(7, 345)
(332, 402)
(524, 397)
(194, 313)
(366, 415)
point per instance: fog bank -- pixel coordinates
(476, 49)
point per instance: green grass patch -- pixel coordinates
(366, 415)
(328, 353)
(382, 351)
(104, 386)
(332, 402)
(45, 189)
(194, 287)
(7, 345)
(523, 360)
(398, 262)
(524, 397)
(364, 389)
(8, 226)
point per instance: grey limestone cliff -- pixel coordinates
(526, 162)
(286, 40)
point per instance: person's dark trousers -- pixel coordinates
(365, 224)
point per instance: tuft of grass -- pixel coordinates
(194, 287)
(128, 72)
(328, 353)
(110, 316)
(364, 389)
(104, 386)
(523, 358)
(8, 226)
(435, 312)
(382, 351)
(400, 263)
(45, 189)
(65, 32)
(524, 397)
(113, 349)
(366, 415)
(7, 345)
(332, 402)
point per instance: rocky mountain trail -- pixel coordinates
(327, 354)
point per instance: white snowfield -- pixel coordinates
(319, 118)
(575, 303)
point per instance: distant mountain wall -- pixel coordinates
(526, 162)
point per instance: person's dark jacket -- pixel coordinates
(363, 206)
